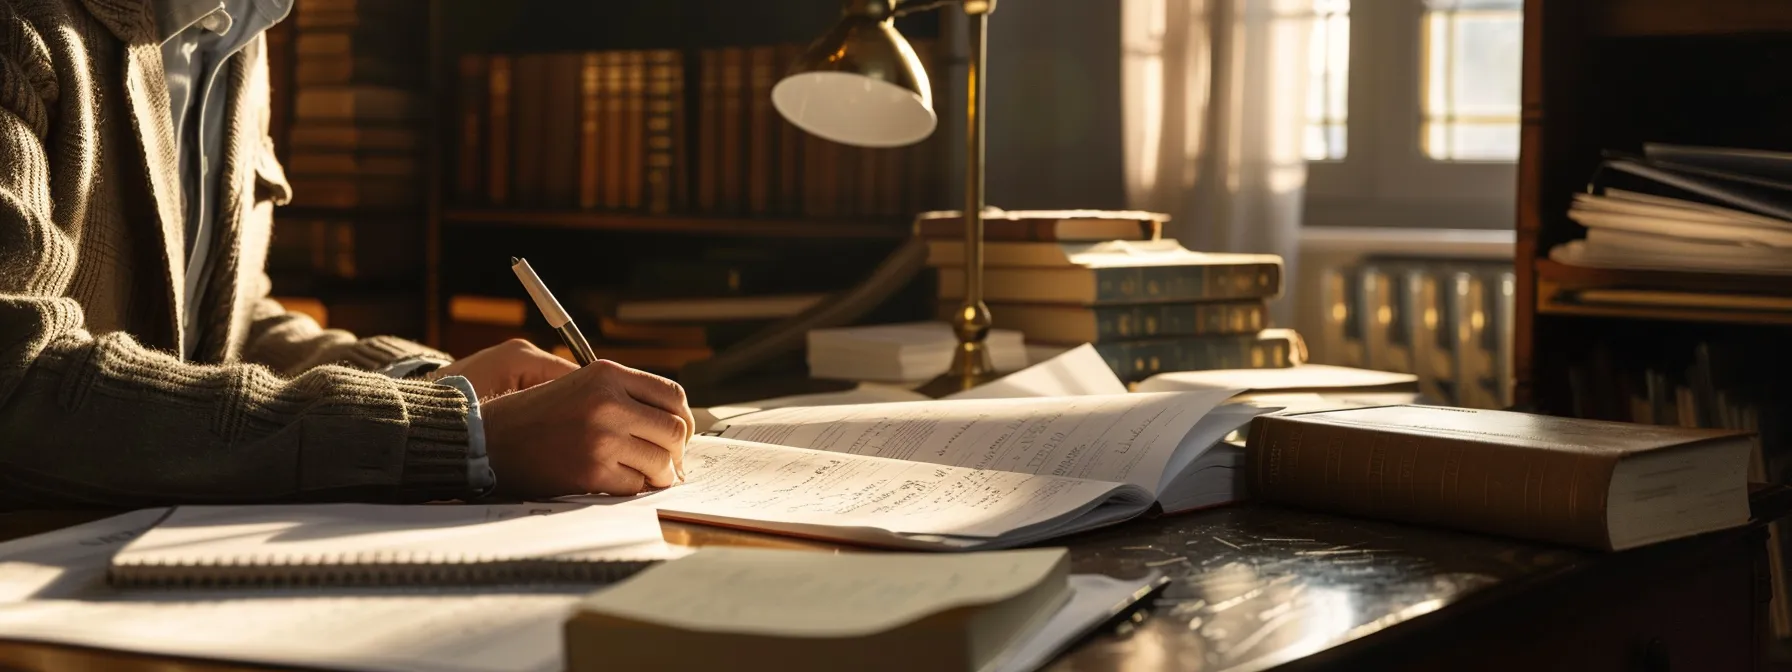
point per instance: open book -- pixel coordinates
(960, 474)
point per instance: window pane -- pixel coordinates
(1473, 50)
(1328, 80)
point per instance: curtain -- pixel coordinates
(1214, 108)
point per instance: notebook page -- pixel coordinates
(325, 533)
(759, 482)
(804, 594)
(52, 589)
(1124, 438)
(1079, 371)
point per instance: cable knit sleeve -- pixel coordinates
(101, 420)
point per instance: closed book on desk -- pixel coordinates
(1075, 325)
(1065, 226)
(1601, 485)
(373, 545)
(1134, 361)
(819, 611)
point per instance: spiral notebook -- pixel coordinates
(376, 545)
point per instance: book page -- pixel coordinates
(784, 593)
(758, 482)
(1124, 438)
(1079, 371)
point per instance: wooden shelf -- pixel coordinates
(753, 227)
(1563, 276)
(1629, 18)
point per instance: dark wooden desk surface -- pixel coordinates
(1256, 587)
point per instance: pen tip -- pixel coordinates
(514, 261)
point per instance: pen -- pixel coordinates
(550, 308)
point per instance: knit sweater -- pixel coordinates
(95, 407)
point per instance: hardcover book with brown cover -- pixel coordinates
(1600, 485)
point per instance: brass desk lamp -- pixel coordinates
(861, 84)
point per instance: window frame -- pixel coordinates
(1385, 178)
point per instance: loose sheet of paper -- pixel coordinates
(1080, 371)
(759, 482)
(52, 588)
(1126, 438)
(805, 594)
(1094, 598)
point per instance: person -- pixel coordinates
(141, 360)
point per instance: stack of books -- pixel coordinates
(1679, 208)
(361, 69)
(663, 131)
(1148, 305)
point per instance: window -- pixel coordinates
(1413, 112)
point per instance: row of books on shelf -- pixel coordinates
(359, 106)
(660, 131)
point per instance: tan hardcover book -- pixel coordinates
(815, 611)
(497, 136)
(358, 103)
(790, 147)
(732, 147)
(355, 138)
(528, 112)
(1115, 279)
(634, 127)
(590, 123)
(612, 130)
(709, 130)
(761, 127)
(664, 95)
(560, 157)
(1047, 225)
(1600, 485)
(473, 93)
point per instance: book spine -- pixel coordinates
(1549, 495)
(1114, 323)
(474, 91)
(1214, 282)
(1134, 361)
(590, 112)
(613, 135)
(1017, 230)
(528, 113)
(790, 147)
(709, 128)
(761, 159)
(662, 146)
(497, 180)
(733, 122)
(634, 124)
(560, 157)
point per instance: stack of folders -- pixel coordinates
(1679, 208)
(1108, 278)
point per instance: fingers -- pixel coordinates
(660, 393)
(535, 366)
(648, 423)
(615, 479)
(651, 461)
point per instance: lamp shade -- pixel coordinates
(860, 84)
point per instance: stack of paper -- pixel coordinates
(1687, 209)
(914, 351)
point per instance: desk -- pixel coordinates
(1258, 587)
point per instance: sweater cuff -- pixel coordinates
(479, 469)
(440, 456)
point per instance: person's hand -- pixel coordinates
(605, 428)
(508, 367)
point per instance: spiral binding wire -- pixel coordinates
(381, 569)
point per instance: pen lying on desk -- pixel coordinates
(550, 309)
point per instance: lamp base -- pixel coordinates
(970, 367)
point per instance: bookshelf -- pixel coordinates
(694, 225)
(1612, 74)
